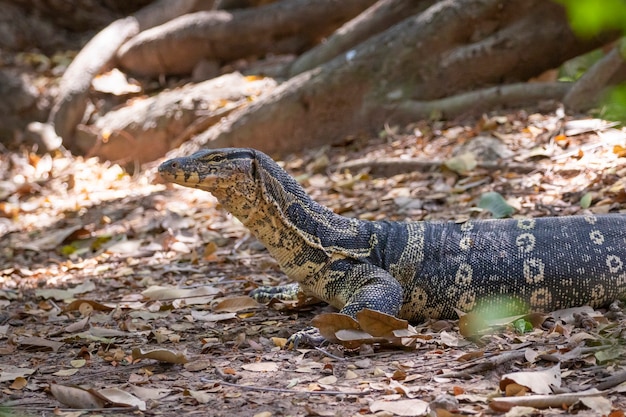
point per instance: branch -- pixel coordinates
(511, 95)
(589, 88)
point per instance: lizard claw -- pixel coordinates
(281, 292)
(309, 336)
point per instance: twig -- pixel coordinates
(612, 381)
(330, 355)
(31, 407)
(543, 401)
(281, 390)
(392, 166)
(485, 365)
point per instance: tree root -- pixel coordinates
(511, 95)
(99, 52)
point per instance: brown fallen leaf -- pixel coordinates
(67, 294)
(203, 397)
(539, 382)
(51, 239)
(330, 323)
(39, 343)
(75, 397)
(76, 304)
(235, 304)
(146, 393)
(10, 373)
(19, 383)
(207, 316)
(78, 326)
(412, 407)
(192, 296)
(161, 355)
(261, 367)
(118, 397)
(379, 324)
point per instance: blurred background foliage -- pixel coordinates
(588, 18)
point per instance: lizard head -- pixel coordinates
(218, 171)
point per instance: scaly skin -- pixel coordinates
(412, 270)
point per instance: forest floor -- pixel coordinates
(118, 290)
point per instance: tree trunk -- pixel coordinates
(452, 47)
(381, 16)
(288, 26)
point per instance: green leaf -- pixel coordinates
(609, 354)
(496, 204)
(590, 17)
(585, 201)
(461, 164)
(522, 326)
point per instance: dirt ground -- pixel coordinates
(118, 290)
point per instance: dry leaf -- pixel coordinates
(235, 304)
(452, 340)
(114, 82)
(203, 397)
(39, 343)
(161, 355)
(10, 373)
(19, 383)
(76, 397)
(121, 398)
(78, 326)
(146, 393)
(599, 405)
(189, 294)
(380, 324)
(50, 240)
(462, 164)
(412, 407)
(539, 382)
(65, 372)
(330, 323)
(201, 316)
(261, 367)
(61, 295)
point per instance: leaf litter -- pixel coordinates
(120, 292)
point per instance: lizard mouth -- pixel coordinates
(173, 171)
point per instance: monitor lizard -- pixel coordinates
(411, 270)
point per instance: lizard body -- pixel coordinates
(412, 270)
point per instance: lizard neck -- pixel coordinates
(300, 234)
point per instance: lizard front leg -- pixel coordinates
(357, 287)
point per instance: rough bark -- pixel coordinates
(452, 47)
(23, 31)
(83, 15)
(478, 101)
(590, 88)
(288, 26)
(381, 16)
(96, 55)
(147, 128)
(22, 107)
